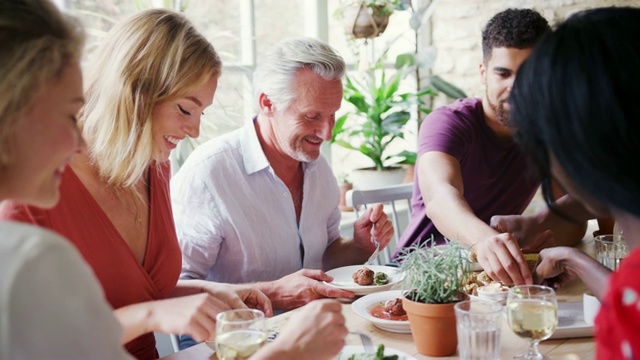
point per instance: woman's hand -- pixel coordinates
(233, 296)
(560, 265)
(239, 296)
(193, 315)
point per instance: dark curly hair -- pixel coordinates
(576, 99)
(514, 28)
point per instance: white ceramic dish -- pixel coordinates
(342, 279)
(489, 292)
(362, 306)
(590, 307)
(571, 322)
(352, 349)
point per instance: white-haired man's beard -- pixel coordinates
(297, 152)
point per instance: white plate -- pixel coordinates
(351, 350)
(342, 278)
(362, 306)
(571, 322)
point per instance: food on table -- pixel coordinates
(390, 310)
(394, 307)
(380, 278)
(493, 288)
(481, 279)
(364, 276)
(379, 355)
(532, 260)
(473, 257)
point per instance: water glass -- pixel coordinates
(239, 333)
(610, 250)
(478, 327)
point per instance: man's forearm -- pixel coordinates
(569, 230)
(454, 219)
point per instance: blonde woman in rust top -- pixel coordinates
(51, 305)
(154, 76)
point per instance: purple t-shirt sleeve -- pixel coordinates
(444, 130)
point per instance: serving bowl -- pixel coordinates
(363, 306)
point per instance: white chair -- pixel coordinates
(394, 198)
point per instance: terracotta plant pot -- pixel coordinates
(433, 327)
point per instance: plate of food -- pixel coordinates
(352, 352)
(363, 280)
(384, 310)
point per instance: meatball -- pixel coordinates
(394, 307)
(364, 276)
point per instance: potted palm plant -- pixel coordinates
(378, 117)
(434, 279)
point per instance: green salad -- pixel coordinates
(380, 278)
(379, 355)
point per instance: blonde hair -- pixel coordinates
(36, 43)
(150, 57)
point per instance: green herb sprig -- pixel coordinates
(434, 274)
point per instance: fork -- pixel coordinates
(373, 256)
(367, 344)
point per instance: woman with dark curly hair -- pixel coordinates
(575, 107)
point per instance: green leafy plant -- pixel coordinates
(434, 274)
(382, 7)
(377, 7)
(381, 110)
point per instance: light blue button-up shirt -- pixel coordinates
(235, 218)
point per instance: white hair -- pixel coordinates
(274, 73)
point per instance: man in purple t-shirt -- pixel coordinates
(469, 168)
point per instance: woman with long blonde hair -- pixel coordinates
(51, 305)
(153, 78)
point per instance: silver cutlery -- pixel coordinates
(373, 256)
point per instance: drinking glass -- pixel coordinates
(610, 250)
(478, 328)
(532, 313)
(239, 333)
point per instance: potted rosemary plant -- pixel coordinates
(433, 283)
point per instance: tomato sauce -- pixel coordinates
(378, 312)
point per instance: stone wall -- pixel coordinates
(457, 26)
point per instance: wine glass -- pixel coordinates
(532, 313)
(239, 333)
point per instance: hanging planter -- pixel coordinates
(364, 21)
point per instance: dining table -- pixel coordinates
(510, 345)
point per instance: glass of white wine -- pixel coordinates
(239, 333)
(532, 312)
